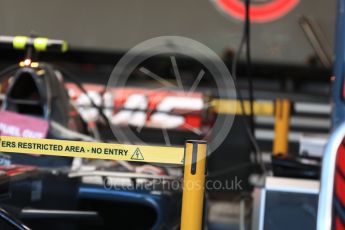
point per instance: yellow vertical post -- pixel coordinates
(193, 185)
(281, 127)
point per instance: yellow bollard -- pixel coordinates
(193, 185)
(281, 127)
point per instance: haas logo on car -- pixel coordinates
(142, 107)
(260, 11)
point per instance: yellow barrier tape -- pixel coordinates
(141, 153)
(229, 106)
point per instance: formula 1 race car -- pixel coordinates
(49, 192)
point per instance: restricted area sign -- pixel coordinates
(143, 153)
(260, 11)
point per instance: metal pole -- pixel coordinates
(338, 112)
(281, 127)
(193, 185)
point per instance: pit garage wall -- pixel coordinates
(119, 25)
